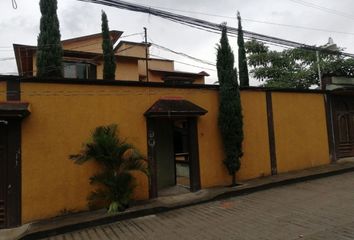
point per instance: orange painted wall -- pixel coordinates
(2, 91)
(254, 163)
(300, 131)
(64, 114)
(256, 160)
(61, 120)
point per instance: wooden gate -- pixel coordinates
(343, 124)
(3, 172)
(11, 115)
(10, 173)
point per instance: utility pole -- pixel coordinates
(14, 4)
(146, 55)
(331, 46)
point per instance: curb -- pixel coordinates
(161, 209)
(281, 183)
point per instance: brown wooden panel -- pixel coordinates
(194, 166)
(13, 90)
(14, 174)
(3, 175)
(343, 123)
(10, 173)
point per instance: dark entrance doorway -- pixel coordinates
(173, 146)
(343, 125)
(11, 115)
(9, 174)
(173, 156)
(165, 162)
(173, 169)
(3, 173)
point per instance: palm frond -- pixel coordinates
(133, 161)
(118, 158)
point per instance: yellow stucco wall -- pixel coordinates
(127, 69)
(300, 131)
(57, 127)
(61, 120)
(131, 50)
(2, 91)
(256, 160)
(64, 114)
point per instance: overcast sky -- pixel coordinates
(80, 18)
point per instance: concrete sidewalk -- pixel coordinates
(77, 221)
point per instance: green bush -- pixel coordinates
(117, 159)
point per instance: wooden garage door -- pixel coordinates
(343, 116)
(3, 173)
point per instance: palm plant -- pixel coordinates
(117, 159)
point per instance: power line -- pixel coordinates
(325, 9)
(184, 55)
(7, 58)
(298, 27)
(130, 35)
(193, 12)
(14, 4)
(187, 64)
(253, 20)
(206, 25)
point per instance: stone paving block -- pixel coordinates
(318, 209)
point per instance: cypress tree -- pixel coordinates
(109, 63)
(49, 49)
(242, 60)
(230, 112)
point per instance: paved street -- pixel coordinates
(319, 209)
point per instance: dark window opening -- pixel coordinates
(79, 70)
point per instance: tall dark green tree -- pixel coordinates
(230, 113)
(109, 62)
(242, 60)
(49, 49)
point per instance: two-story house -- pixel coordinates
(83, 59)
